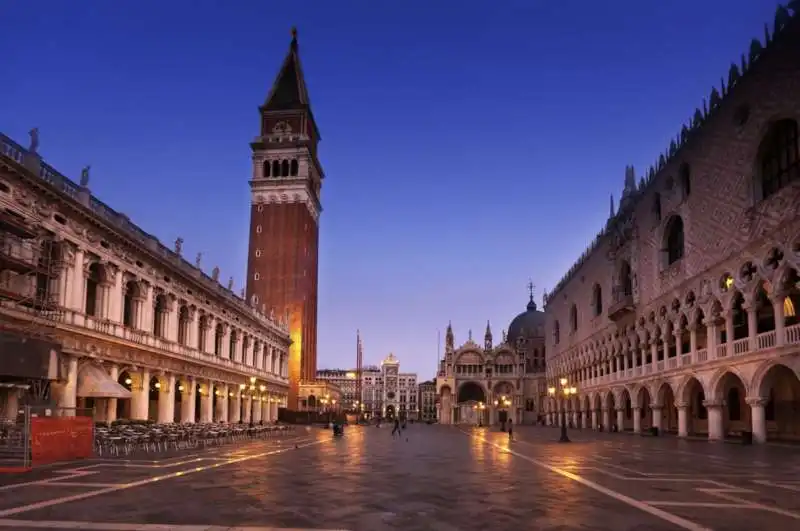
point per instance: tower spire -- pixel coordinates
(487, 337)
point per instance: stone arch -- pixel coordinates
(586, 403)
(644, 400)
(777, 385)
(687, 387)
(665, 399)
(764, 376)
(625, 400)
(503, 387)
(471, 391)
(729, 389)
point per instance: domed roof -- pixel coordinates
(529, 323)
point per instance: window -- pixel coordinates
(258, 229)
(556, 333)
(597, 300)
(256, 276)
(258, 253)
(674, 240)
(267, 169)
(293, 167)
(778, 158)
(686, 180)
(260, 208)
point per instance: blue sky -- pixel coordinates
(468, 145)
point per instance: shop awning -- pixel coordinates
(94, 382)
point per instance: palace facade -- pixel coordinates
(683, 313)
(489, 384)
(98, 314)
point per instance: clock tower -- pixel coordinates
(282, 266)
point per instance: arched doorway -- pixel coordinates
(669, 413)
(390, 412)
(503, 401)
(645, 410)
(697, 414)
(735, 411)
(609, 415)
(627, 416)
(780, 387)
(471, 399)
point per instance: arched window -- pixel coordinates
(685, 176)
(734, 407)
(293, 168)
(597, 300)
(556, 333)
(276, 168)
(625, 279)
(284, 168)
(573, 318)
(778, 158)
(267, 168)
(673, 240)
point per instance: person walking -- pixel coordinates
(510, 425)
(396, 428)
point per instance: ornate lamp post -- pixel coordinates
(505, 403)
(567, 391)
(480, 407)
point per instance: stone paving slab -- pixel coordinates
(445, 479)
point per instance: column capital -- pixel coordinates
(712, 404)
(680, 404)
(756, 401)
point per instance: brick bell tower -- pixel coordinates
(282, 266)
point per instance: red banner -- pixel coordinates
(61, 439)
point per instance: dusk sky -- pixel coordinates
(468, 146)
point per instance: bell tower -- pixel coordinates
(282, 265)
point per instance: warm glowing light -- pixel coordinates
(262, 388)
(216, 393)
(351, 375)
(551, 391)
(252, 379)
(563, 381)
(158, 385)
(573, 390)
(180, 388)
(728, 282)
(242, 386)
(128, 381)
(230, 394)
(788, 308)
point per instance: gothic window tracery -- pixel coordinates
(779, 157)
(674, 240)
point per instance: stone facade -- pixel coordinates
(489, 384)
(682, 315)
(185, 347)
(286, 184)
(427, 401)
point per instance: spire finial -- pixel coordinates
(531, 289)
(294, 36)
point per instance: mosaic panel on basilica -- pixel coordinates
(682, 314)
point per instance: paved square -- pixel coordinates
(440, 478)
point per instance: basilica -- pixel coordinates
(491, 383)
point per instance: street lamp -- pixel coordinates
(505, 403)
(567, 391)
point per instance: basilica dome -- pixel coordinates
(528, 324)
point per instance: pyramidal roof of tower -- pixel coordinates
(289, 91)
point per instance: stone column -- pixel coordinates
(188, 401)
(683, 419)
(256, 409)
(166, 399)
(171, 319)
(78, 282)
(222, 404)
(111, 403)
(146, 310)
(594, 419)
(193, 329)
(606, 419)
(693, 341)
(114, 295)
(637, 420)
(752, 326)
(66, 390)
(246, 408)
(728, 344)
(780, 323)
(620, 418)
(207, 402)
(274, 406)
(758, 419)
(140, 401)
(716, 426)
(584, 419)
(12, 404)
(235, 407)
(656, 413)
(225, 352)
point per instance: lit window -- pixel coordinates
(256, 276)
(258, 229)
